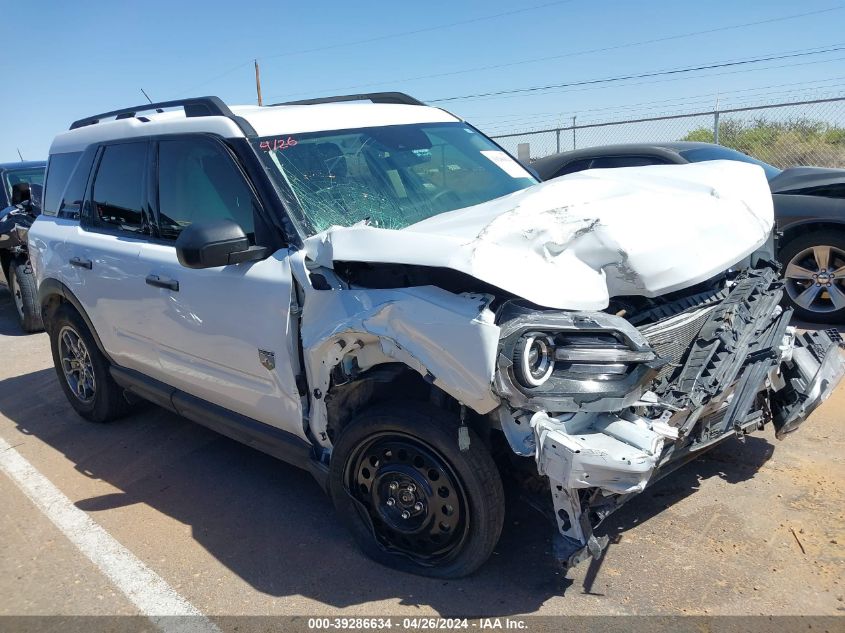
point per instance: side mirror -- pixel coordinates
(215, 243)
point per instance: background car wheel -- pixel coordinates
(411, 498)
(25, 296)
(814, 275)
(82, 369)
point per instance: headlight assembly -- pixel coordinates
(534, 359)
(571, 361)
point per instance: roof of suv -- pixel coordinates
(265, 120)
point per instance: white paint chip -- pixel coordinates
(148, 591)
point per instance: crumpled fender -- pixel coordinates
(450, 339)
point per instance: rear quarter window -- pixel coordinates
(59, 170)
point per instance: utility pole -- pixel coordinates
(258, 82)
(573, 132)
(716, 121)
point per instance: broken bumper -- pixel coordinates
(740, 367)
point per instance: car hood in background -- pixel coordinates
(576, 241)
(804, 177)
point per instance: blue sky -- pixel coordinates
(73, 59)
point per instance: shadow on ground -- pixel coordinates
(272, 526)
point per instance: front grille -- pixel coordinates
(672, 337)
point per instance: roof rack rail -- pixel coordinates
(194, 107)
(375, 97)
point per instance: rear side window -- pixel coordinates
(59, 169)
(197, 181)
(118, 193)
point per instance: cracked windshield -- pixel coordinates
(390, 177)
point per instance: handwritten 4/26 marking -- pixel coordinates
(277, 144)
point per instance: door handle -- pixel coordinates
(81, 263)
(158, 282)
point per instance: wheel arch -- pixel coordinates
(52, 294)
(797, 229)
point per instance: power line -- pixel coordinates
(645, 75)
(671, 79)
(379, 38)
(589, 51)
(510, 120)
(427, 29)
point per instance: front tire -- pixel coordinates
(814, 275)
(25, 296)
(411, 498)
(82, 369)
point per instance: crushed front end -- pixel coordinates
(609, 402)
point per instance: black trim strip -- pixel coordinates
(258, 435)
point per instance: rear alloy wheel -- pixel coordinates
(411, 498)
(814, 275)
(83, 370)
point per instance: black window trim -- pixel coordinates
(87, 219)
(153, 188)
(279, 229)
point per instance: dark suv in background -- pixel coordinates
(20, 201)
(809, 214)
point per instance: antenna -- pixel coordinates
(146, 95)
(19, 153)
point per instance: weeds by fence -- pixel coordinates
(783, 134)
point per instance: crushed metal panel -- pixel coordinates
(576, 241)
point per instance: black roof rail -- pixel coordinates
(375, 97)
(194, 107)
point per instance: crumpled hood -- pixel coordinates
(574, 242)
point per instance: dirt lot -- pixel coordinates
(752, 528)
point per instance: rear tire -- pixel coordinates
(814, 275)
(410, 497)
(25, 296)
(82, 369)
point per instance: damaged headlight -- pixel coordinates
(566, 361)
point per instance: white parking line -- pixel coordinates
(145, 589)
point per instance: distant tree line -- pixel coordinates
(781, 143)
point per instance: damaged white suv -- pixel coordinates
(373, 290)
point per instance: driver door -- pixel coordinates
(223, 334)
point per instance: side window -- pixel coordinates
(71, 204)
(607, 162)
(59, 169)
(118, 194)
(198, 180)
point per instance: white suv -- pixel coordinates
(372, 289)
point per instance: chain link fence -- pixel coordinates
(782, 134)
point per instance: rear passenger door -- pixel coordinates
(103, 268)
(213, 326)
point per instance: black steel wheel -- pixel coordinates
(411, 498)
(415, 501)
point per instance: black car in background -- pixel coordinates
(21, 186)
(809, 212)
